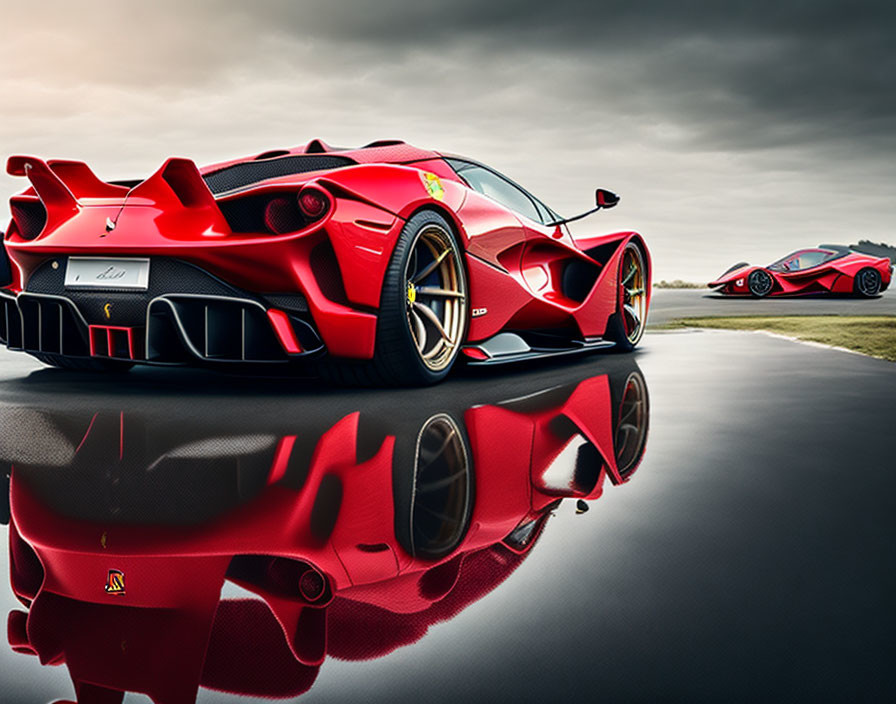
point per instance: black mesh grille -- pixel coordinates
(30, 217)
(325, 268)
(250, 172)
(128, 308)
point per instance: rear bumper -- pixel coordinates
(186, 317)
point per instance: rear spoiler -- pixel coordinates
(62, 181)
(59, 185)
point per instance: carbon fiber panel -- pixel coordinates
(128, 308)
(247, 173)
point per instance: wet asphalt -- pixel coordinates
(750, 558)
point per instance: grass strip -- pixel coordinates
(873, 335)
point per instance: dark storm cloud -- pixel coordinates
(709, 117)
(748, 74)
(756, 74)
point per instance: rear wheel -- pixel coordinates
(759, 282)
(631, 409)
(82, 365)
(433, 487)
(423, 311)
(627, 324)
(867, 282)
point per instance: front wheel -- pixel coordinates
(760, 283)
(627, 325)
(867, 283)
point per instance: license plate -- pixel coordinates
(95, 272)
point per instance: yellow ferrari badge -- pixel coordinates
(433, 185)
(115, 583)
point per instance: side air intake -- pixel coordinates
(29, 216)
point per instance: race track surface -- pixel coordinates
(748, 558)
(667, 304)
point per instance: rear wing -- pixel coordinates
(60, 187)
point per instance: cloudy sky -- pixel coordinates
(732, 130)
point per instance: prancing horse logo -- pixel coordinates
(115, 583)
(107, 309)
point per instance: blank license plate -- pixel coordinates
(94, 272)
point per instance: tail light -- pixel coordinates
(281, 217)
(279, 213)
(313, 203)
(312, 585)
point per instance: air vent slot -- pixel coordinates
(10, 323)
(47, 324)
(212, 329)
(30, 217)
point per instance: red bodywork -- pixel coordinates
(335, 536)
(321, 275)
(835, 275)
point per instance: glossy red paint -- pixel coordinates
(836, 274)
(285, 333)
(327, 511)
(104, 339)
(520, 272)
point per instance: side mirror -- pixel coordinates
(604, 198)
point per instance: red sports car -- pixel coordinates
(828, 268)
(355, 534)
(380, 264)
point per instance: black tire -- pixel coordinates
(396, 359)
(631, 420)
(82, 365)
(867, 283)
(432, 491)
(760, 283)
(617, 330)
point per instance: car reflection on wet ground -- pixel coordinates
(486, 539)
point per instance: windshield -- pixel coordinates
(803, 259)
(502, 190)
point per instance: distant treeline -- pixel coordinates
(677, 283)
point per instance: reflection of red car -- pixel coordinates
(392, 259)
(824, 269)
(354, 540)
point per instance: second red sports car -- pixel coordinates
(382, 265)
(824, 269)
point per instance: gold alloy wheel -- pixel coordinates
(631, 426)
(436, 297)
(440, 512)
(633, 293)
